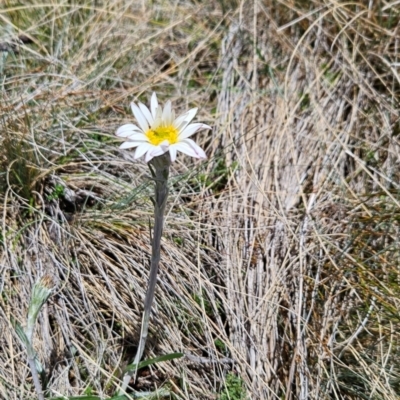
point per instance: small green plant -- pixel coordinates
(178, 240)
(234, 388)
(202, 301)
(57, 192)
(88, 391)
(330, 75)
(304, 101)
(221, 346)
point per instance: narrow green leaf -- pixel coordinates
(89, 398)
(118, 398)
(20, 332)
(155, 360)
(77, 398)
(25, 340)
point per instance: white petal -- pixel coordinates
(140, 117)
(126, 130)
(142, 149)
(199, 151)
(172, 152)
(205, 126)
(146, 112)
(158, 118)
(137, 137)
(153, 104)
(191, 129)
(184, 119)
(158, 151)
(148, 157)
(164, 145)
(167, 114)
(186, 148)
(129, 145)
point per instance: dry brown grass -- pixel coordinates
(280, 258)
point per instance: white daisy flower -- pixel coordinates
(159, 131)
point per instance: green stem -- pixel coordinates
(160, 174)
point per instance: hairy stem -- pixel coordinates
(35, 376)
(160, 174)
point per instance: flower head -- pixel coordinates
(41, 292)
(160, 132)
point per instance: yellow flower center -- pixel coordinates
(162, 133)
